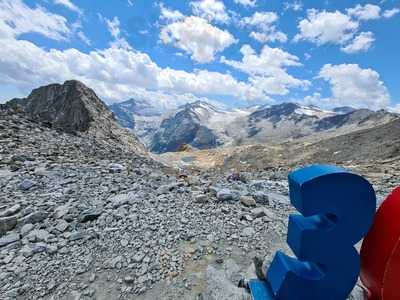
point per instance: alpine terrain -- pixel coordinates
(88, 212)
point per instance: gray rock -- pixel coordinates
(90, 215)
(38, 235)
(62, 225)
(35, 217)
(26, 229)
(261, 197)
(116, 168)
(248, 232)
(7, 224)
(260, 212)
(61, 211)
(26, 184)
(219, 287)
(247, 201)
(10, 211)
(9, 239)
(200, 198)
(226, 195)
(138, 257)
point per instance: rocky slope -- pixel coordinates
(74, 108)
(85, 216)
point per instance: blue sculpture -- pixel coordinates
(337, 209)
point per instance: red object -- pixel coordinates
(380, 252)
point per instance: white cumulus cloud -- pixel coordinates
(353, 86)
(361, 42)
(264, 27)
(323, 27)
(268, 69)
(169, 14)
(366, 12)
(211, 10)
(197, 37)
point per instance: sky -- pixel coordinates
(239, 52)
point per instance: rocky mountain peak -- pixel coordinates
(70, 107)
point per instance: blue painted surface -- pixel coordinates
(337, 209)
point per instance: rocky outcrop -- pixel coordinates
(74, 108)
(70, 107)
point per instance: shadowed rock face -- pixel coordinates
(183, 128)
(70, 107)
(74, 108)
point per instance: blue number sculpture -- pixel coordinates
(337, 209)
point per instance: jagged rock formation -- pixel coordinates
(74, 108)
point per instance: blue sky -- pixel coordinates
(240, 52)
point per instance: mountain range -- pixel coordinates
(203, 125)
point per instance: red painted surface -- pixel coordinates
(380, 252)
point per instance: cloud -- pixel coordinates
(250, 3)
(323, 27)
(295, 5)
(391, 12)
(211, 10)
(16, 18)
(170, 15)
(113, 27)
(197, 37)
(366, 12)
(353, 86)
(68, 4)
(130, 3)
(81, 35)
(362, 42)
(268, 69)
(114, 73)
(265, 29)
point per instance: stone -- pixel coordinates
(7, 224)
(247, 201)
(9, 239)
(62, 225)
(26, 184)
(138, 257)
(90, 215)
(225, 195)
(260, 212)
(38, 235)
(26, 229)
(11, 211)
(35, 217)
(61, 211)
(116, 168)
(200, 198)
(261, 197)
(129, 279)
(219, 287)
(248, 232)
